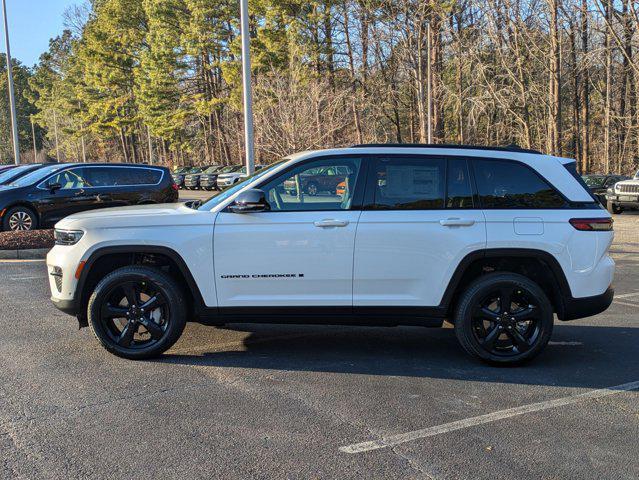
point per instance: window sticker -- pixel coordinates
(409, 180)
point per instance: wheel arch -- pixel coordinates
(538, 265)
(109, 258)
(23, 203)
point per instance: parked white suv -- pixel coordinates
(495, 240)
(623, 195)
(225, 180)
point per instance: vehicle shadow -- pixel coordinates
(577, 356)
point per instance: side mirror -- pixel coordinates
(54, 187)
(250, 201)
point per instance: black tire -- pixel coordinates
(490, 332)
(163, 333)
(612, 208)
(312, 189)
(20, 218)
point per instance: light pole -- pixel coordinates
(12, 99)
(429, 93)
(246, 82)
(35, 147)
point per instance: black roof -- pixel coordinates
(509, 148)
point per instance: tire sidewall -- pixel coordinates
(475, 292)
(175, 298)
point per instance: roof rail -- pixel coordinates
(509, 148)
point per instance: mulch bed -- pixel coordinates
(26, 240)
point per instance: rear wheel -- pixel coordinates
(137, 312)
(20, 219)
(504, 319)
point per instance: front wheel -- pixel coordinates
(504, 319)
(19, 219)
(137, 312)
(612, 208)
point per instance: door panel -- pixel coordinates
(284, 258)
(407, 258)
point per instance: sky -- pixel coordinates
(31, 24)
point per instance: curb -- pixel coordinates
(29, 254)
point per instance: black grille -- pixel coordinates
(628, 188)
(58, 282)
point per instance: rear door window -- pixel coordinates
(409, 183)
(122, 176)
(506, 184)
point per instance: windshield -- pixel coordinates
(637, 175)
(212, 169)
(12, 172)
(594, 181)
(194, 170)
(220, 197)
(35, 176)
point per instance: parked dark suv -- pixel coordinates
(44, 196)
(192, 180)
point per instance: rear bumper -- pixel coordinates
(575, 308)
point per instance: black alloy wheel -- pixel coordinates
(504, 319)
(137, 312)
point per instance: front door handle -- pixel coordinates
(331, 223)
(457, 222)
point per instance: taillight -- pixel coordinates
(174, 186)
(592, 224)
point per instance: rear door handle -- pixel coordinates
(331, 223)
(457, 222)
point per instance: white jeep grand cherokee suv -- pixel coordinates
(495, 240)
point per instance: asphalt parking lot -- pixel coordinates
(317, 402)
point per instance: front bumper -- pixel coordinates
(575, 308)
(69, 307)
(624, 199)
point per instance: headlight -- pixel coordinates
(610, 190)
(67, 237)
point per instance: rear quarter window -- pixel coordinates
(504, 184)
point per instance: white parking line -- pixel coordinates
(627, 304)
(628, 295)
(488, 418)
(23, 260)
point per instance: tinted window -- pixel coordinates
(505, 184)
(458, 186)
(69, 179)
(121, 176)
(13, 172)
(327, 184)
(594, 181)
(409, 183)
